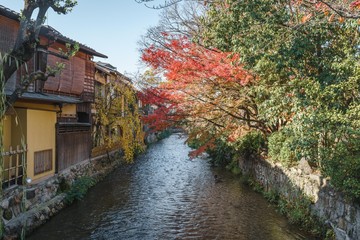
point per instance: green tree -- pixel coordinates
(307, 63)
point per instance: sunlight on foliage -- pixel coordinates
(289, 69)
(117, 122)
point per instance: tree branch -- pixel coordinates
(26, 83)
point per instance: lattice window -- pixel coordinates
(42, 161)
(13, 168)
(73, 129)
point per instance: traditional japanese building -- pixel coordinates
(50, 123)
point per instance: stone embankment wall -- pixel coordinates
(151, 138)
(328, 204)
(43, 200)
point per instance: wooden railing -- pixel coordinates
(13, 170)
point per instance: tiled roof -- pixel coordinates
(107, 67)
(49, 31)
(46, 97)
(9, 13)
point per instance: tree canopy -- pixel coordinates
(289, 69)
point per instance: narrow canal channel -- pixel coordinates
(164, 195)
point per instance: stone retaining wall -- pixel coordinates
(45, 199)
(328, 204)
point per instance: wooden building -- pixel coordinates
(52, 118)
(116, 117)
(108, 82)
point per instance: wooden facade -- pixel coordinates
(8, 29)
(68, 95)
(73, 144)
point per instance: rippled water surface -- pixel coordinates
(164, 195)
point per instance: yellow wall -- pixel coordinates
(18, 127)
(68, 110)
(37, 129)
(40, 136)
(7, 132)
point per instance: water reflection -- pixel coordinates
(164, 195)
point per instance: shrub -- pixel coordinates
(281, 148)
(250, 144)
(345, 175)
(272, 196)
(194, 143)
(79, 189)
(222, 153)
(233, 166)
(163, 134)
(225, 153)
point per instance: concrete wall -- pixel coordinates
(328, 204)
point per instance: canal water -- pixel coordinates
(165, 195)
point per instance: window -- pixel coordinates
(42, 161)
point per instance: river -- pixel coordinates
(166, 195)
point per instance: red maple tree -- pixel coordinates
(204, 90)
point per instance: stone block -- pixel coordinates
(7, 214)
(357, 220)
(30, 193)
(16, 210)
(341, 223)
(10, 237)
(340, 208)
(316, 179)
(340, 234)
(351, 212)
(45, 198)
(27, 204)
(5, 204)
(12, 202)
(49, 184)
(47, 210)
(18, 198)
(304, 166)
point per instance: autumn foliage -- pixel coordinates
(185, 62)
(203, 89)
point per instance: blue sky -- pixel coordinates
(111, 27)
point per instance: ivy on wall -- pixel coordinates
(117, 120)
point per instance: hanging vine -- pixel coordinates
(117, 122)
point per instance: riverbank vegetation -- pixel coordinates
(296, 210)
(280, 80)
(78, 189)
